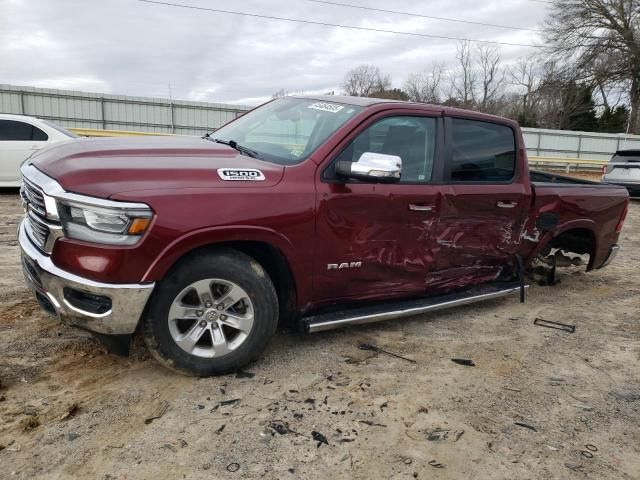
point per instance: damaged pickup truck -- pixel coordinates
(317, 211)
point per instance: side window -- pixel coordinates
(410, 138)
(10, 130)
(481, 152)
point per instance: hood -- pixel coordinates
(103, 167)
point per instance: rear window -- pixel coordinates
(481, 152)
(11, 130)
(61, 129)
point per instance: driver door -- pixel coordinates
(374, 239)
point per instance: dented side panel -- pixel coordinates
(475, 239)
(370, 243)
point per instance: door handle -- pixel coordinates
(507, 204)
(421, 208)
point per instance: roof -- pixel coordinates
(358, 101)
(12, 116)
(369, 102)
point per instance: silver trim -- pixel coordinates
(507, 204)
(420, 208)
(53, 189)
(379, 317)
(127, 300)
(612, 254)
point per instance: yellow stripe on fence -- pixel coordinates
(94, 132)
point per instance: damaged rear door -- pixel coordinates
(485, 201)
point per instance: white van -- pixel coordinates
(624, 169)
(20, 137)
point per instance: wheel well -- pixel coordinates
(276, 265)
(578, 240)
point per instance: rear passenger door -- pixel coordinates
(485, 200)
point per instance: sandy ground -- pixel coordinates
(70, 410)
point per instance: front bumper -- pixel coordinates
(59, 292)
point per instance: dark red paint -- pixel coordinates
(466, 239)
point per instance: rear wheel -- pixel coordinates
(213, 314)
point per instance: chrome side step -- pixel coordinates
(370, 314)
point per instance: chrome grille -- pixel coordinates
(32, 196)
(38, 229)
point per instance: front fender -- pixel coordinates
(216, 235)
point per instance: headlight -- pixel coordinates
(112, 226)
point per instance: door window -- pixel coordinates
(412, 139)
(481, 152)
(10, 130)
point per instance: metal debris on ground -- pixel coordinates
(374, 348)
(586, 454)
(371, 424)
(524, 425)
(463, 361)
(233, 467)
(71, 411)
(160, 411)
(279, 428)
(320, 438)
(591, 447)
(541, 322)
(437, 435)
(224, 403)
(436, 464)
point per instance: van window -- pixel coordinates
(481, 152)
(11, 130)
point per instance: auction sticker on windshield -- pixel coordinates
(327, 107)
(241, 174)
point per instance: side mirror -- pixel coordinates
(372, 167)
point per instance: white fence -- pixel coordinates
(583, 145)
(143, 114)
(117, 112)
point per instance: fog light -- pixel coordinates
(87, 302)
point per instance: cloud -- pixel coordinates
(129, 47)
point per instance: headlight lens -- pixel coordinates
(103, 225)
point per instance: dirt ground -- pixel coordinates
(70, 410)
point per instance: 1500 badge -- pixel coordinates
(241, 174)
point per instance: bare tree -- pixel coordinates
(492, 77)
(464, 80)
(280, 93)
(525, 76)
(587, 30)
(425, 87)
(364, 80)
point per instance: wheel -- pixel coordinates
(212, 314)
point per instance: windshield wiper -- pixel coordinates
(240, 148)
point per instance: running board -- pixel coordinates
(379, 313)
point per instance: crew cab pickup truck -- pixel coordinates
(321, 211)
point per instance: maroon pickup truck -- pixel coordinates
(320, 211)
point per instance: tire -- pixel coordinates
(194, 337)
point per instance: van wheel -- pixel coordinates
(212, 314)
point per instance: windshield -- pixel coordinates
(288, 130)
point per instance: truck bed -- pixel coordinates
(542, 178)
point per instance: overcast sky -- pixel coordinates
(134, 48)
